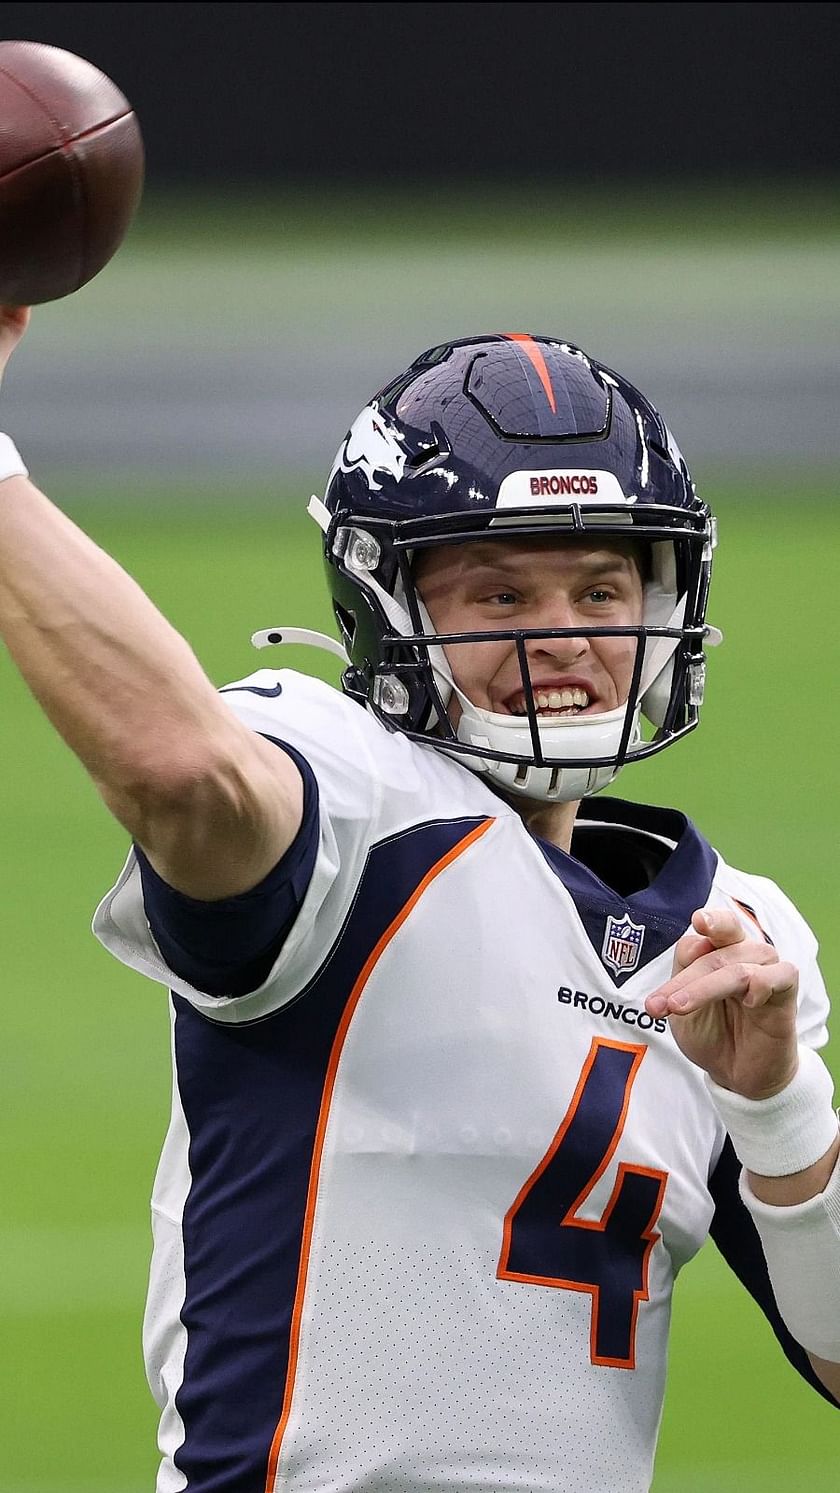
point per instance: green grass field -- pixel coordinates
(85, 1056)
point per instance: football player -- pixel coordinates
(468, 1062)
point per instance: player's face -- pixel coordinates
(536, 583)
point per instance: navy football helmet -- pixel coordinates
(501, 437)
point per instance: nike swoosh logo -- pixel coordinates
(252, 689)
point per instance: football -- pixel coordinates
(71, 171)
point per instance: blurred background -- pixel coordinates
(331, 189)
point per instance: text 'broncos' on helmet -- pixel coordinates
(503, 437)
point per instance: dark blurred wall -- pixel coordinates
(395, 92)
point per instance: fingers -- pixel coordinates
(753, 984)
(720, 929)
(743, 955)
(718, 961)
(696, 957)
(689, 949)
(721, 926)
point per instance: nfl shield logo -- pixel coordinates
(622, 944)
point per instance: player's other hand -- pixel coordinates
(13, 323)
(731, 1004)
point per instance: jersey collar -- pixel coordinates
(663, 908)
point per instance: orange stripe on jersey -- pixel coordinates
(534, 354)
(748, 911)
(320, 1133)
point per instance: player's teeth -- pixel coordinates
(563, 699)
(556, 699)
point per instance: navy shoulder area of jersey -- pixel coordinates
(227, 947)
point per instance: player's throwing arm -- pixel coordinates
(213, 805)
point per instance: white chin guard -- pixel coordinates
(593, 736)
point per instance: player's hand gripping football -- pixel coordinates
(13, 323)
(731, 1004)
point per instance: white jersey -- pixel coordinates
(426, 1191)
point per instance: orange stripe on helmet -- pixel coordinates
(533, 353)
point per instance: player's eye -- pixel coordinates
(496, 596)
(599, 595)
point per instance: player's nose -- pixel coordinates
(557, 614)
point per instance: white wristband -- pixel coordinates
(779, 1136)
(802, 1248)
(11, 461)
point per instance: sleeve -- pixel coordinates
(369, 787)
(737, 1238)
(228, 947)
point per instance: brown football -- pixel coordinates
(71, 171)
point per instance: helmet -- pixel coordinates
(505, 436)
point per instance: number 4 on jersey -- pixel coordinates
(545, 1242)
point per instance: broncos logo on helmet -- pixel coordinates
(372, 447)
